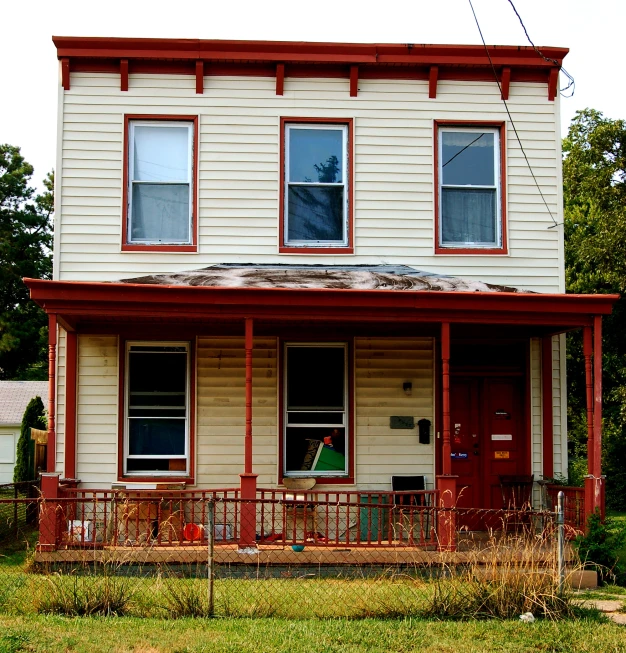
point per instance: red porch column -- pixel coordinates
(71, 371)
(52, 360)
(547, 402)
(49, 517)
(594, 482)
(446, 483)
(598, 480)
(247, 525)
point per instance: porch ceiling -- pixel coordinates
(354, 297)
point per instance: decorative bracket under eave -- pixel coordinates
(354, 81)
(553, 80)
(123, 74)
(505, 82)
(280, 78)
(65, 74)
(433, 74)
(199, 77)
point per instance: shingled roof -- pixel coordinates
(353, 277)
(14, 397)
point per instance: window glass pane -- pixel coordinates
(468, 216)
(316, 450)
(157, 373)
(160, 213)
(315, 378)
(467, 158)
(316, 155)
(156, 465)
(315, 418)
(315, 213)
(161, 153)
(156, 437)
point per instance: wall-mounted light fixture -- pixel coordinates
(407, 386)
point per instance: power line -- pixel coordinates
(495, 74)
(571, 83)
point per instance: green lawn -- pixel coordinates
(121, 635)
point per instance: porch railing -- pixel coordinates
(574, 504)
(102, 518)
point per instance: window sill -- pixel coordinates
(156, 478)
(160, 248)
(324, 480)
(476, 251)
(315, 250)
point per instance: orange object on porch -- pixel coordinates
(193, 532)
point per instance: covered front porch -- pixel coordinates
(305, 392)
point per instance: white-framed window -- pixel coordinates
(315, 439)
(160, 182)
(156, 424)
(470, 188)
(316, 185)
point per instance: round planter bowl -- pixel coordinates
(298, 548)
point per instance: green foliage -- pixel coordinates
(25, 251)
(599, 548)
(594, 194)
(35, 417)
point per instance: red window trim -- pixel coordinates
(321, 480)
(476, 251)
(290, 249)
(156, 478)
(133, 247)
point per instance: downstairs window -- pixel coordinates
(156, 438)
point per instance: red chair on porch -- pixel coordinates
(517, 492)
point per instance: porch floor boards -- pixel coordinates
(271, 555)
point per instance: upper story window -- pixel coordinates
(470, 203)
(316, 186)
(160, 184)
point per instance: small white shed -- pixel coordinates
(14, 397)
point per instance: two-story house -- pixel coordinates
(327, 261)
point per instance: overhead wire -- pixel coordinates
(519, 140)
(571, 83)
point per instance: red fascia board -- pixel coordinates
(287, 51)
(134, 296)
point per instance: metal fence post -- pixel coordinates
(560, 521)
(210, 570)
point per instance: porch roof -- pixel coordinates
(287, 294)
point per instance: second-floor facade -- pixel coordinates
(177, 155)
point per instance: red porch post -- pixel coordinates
(446, 483)
(594, 483)
(48, 517)
(52, 360)
(247, 526)
(547, 417)
(71, 365)
(587, 353)
(598, 489)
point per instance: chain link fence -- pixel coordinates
(291, 556)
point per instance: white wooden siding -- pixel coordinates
(60, 402)
(221, 404)
(239, 173)
(382, 365)
(97, 405)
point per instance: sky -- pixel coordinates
(593, 30)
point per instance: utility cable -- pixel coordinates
(495, 74)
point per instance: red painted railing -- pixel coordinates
(574, 504)
(103, 518)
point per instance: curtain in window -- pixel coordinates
(468, 216)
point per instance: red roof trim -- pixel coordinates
(121, 299)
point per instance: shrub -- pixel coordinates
(34, 417)
(599, 548)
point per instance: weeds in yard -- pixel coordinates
(84, 594)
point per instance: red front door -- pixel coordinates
(487, 437)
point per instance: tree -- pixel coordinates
(25, 251)
(594, 193)
(34, 417)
